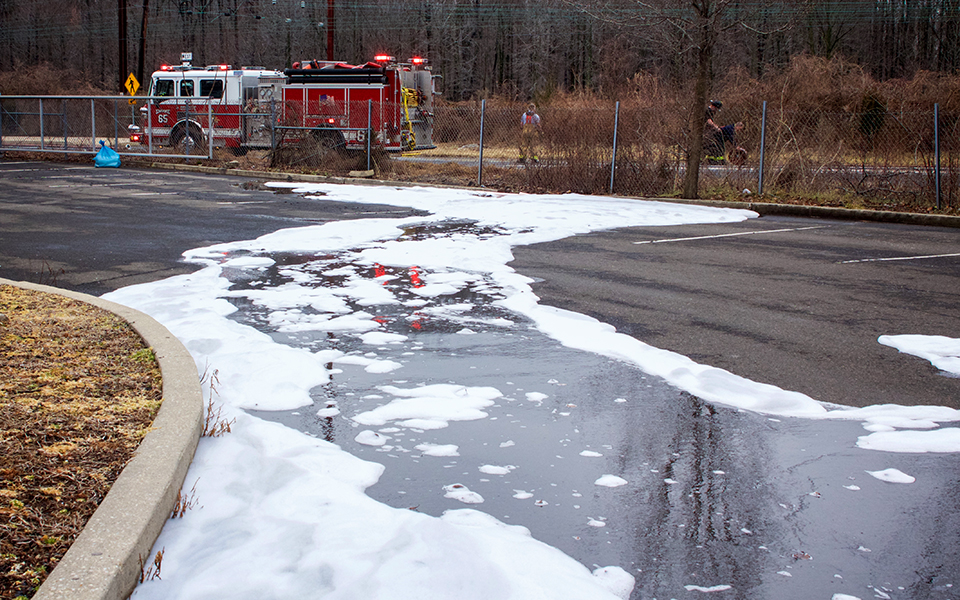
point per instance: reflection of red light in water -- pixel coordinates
(378, 270)
(415, 277)
(381, 320)
(417, 321)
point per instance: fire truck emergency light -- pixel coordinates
(418, 60)
(384, 58)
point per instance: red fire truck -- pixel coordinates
(324, 104)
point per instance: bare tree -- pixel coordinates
(702, 30)
(687, 35)
(517, 48)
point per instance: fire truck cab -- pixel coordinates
(329, 103)
(190, 97)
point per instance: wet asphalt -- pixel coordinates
(775, 508)
(97, 230)
(712, 499)
(773, 299)
(797, 303)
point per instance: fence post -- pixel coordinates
(42, 146)
(93, 124)
(116, 126)
(150, 126)
(273, 125)
(763, 135)
(63, 124)
(613, 161)
(369, 128)
(936, 149)
(483, 110)
(209, 129)
(133, 120)
(189, 139)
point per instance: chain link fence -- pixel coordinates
(332, 136)
(67, 124)
(77, 125)
(880, 158)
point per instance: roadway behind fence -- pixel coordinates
(879, 156)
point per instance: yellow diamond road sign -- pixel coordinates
(132, 85)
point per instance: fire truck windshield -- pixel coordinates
(162, 87)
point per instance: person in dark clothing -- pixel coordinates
(713, 137)
(716, 137)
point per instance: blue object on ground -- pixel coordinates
(106, 157)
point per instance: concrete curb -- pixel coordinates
(762, 208)
(828, 212)
(104, 562)
(305, 177)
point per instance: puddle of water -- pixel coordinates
(706, 495)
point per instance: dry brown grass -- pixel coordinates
(831, 131)
(47, 80)
(78, 391)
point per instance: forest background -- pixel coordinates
(519, 48)
(845, 60)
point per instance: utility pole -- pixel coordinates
(143, 40)
(330, 29)
(122, 22)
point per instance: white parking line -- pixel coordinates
(863, 260)
(723, 235)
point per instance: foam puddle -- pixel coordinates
(388, 336)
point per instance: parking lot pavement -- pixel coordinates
(797, 303)
(96, 230)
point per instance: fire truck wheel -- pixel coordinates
(188, 143)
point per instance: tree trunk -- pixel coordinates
(698, 104)
(142, 53)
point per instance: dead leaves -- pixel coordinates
(78, 390)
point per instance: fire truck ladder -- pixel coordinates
(409, 96)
